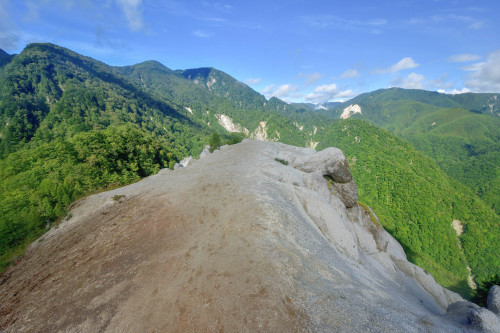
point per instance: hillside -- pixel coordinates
(235, 241)
(216, 98)
(47, 92)
(70, 125)
(484, 103)
(460, 132)
(417, 203)
(199, 91)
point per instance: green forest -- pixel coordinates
(400, 184)
(39, 183)
(461, 133)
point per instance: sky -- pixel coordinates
(299, 51)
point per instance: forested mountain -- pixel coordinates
(70, 125)
(208, 93)
(460, 132)
(417, 202)
(48, 92)
(485, 103)
(204, 91)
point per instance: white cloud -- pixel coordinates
(405, 63)
(218, 6)
(451, 18)
(377, 22)
(487, 76)
(201, 34)
(473, 67)
(325, 93)
(252, 81)
(327, 88)
(133, 13)
(476, 25)
(412, 81)
(284, 92)
(8, 40)
(267, 90)
(463, 57)
(345, 94)
(454, 91)
(473, 23)
(336, 22)
(350, 73)
(311, 77)
(440, 83)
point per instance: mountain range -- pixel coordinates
(427, 163)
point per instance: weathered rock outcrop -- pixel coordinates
(484, 320)
(494, 300)
(329, 162)
(235, 241)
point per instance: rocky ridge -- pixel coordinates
(258, 236)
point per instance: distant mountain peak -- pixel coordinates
(194, 73)
(3, 54)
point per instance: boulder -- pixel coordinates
(183, 163)
(348, 193)
(205, 152)
(329, 162)
(339, 171)
(186, 161)
(484, 320)
(459, 311)
(494, 300)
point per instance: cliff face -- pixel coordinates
(235, 241)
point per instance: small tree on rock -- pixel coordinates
(214, 142)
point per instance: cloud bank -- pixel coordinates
(486, 78)
(284, 92)
(412, 81)
(327, 92)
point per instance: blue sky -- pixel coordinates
(299, 51)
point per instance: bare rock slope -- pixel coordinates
(235, 241)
